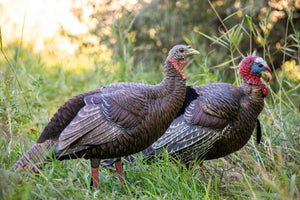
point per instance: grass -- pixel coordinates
(269, 170)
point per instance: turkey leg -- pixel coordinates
(119, 169)
(95, 172)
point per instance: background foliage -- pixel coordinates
(129, 42)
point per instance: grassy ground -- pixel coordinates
(32, 91)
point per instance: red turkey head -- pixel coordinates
(252, 69)
(177, 56)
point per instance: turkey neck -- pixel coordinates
(254, 99)
(172, 88)
(251, 106)
(174, 78)
(167, 98)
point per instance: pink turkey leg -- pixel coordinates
(119, 169)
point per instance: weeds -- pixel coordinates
(266, 171)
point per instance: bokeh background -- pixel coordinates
(93, 27)
(52, 50)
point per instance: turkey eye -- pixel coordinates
(260, 65)
(181, 50)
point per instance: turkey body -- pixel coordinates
(127, 121)
(113, 121)
(215, 120)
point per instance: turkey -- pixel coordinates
(215, 119)
(114, 121)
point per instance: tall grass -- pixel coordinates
(266, 171)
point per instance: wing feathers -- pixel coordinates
(86, 120)
(182, 135)
(195, 115)
(104, 117)
(100, 135)
(200, 137)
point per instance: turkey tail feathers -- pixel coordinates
(34, 158)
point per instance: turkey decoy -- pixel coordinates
(114, 121)
(215, 119)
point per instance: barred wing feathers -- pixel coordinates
(92, 125)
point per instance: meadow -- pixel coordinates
(32, 88)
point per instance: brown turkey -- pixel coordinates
(114, 121)
(215, 119)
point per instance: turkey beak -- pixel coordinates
(191, 52)
(267, 74)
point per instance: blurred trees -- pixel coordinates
(153, 26)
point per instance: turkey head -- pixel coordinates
(252, 69)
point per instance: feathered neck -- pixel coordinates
(169, 96)
(178, 65)
(252, 79)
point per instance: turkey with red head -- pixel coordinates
(215, 119)
(114, 121)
